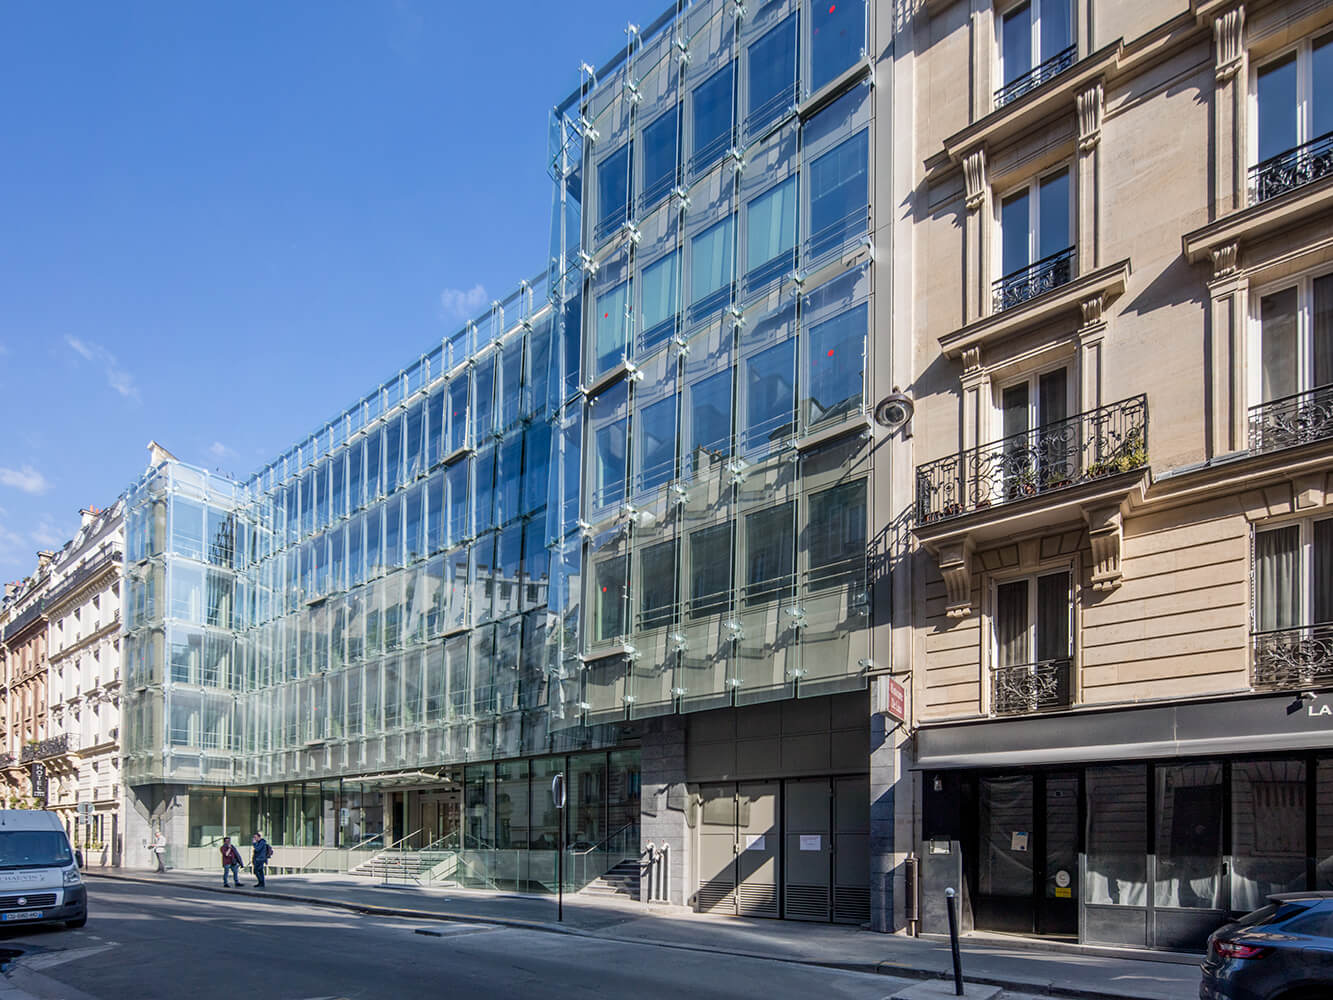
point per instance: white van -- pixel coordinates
(39, 880)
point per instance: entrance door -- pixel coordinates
(738, 849)
(809, 851)
(1027, 863)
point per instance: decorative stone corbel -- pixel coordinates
(1225, 259)
(1092, 309)
(1105, 532)
(1229, 38)
(956, 568)
(1091, 101)
(971, 361)
(974, 174)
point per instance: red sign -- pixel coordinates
(896, 706)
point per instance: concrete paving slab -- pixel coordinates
(940, 990)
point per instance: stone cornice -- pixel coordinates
(111, 628)
(1286, 211)
(1235, 474)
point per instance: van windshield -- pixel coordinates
(34, 849)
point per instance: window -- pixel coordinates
(771, 80)
(656, 448)
(839, 196)
(1036, 43)
(770, 395)
(837, 39)
(837, 535)
(1035, 223)
(609, 448)
(770, 553)
(458, 413)
(835, 361)
(1293, 576)
(710, 570)
(1295, 343)
(1293, 105)
(711, 107)
(710, 421)
(1032, 634)
(658, 293)
(1036, 447)
(661, 172)
(610, 323)
(612, 192)
(483, 487)
(483, 413)
(456, 490)
(771, 235)
(657, 585)
(711, 269)
(187, 528)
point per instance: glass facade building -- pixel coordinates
(638, 487)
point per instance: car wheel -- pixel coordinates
(74, 925)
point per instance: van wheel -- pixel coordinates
(74, 925)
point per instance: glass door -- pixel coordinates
(1059, 884)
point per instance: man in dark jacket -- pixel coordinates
(231, 862)
(260, 852)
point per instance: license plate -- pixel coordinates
(21, 915)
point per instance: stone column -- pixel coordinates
(983, 47)
(1088, 193)
(976, 386)
(974, 173)
(1227, 308)
(663, 801)
(1091, 336)
(1230, 148)
(883, 777)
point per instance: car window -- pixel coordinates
(1316, 923)
(1271, 914)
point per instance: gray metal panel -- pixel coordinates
(758, 850)
(807, 890)
(851, 856)
(717, 849)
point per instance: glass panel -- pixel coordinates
(536, 463)
(611, 325)
(710, 570)
(1061, 835)
(771, 234)
(1277, 107)
(837, 39)
(1321, 573)
(374, 472)
(613, 191)
(839, 195)
(508, 479)
(711, 268)
(1189, 836)
(1005, 813)
(610, 581)
(458, 412)
(660, 158)
(187, 528)
(710, 421)
(1322, 324)
(483, 414)
(457, 487)
(1015, 219)
(1323, 807)
(483, 485)
(1054, 232)
(657, 443)
(657, 585)
(770, 395)
(1321, 87)
(1277, 578)
(1117, 844)
(836, 359)
(659, 295)
(511, 379)
(1011, 624)
(711, 106)
(393, 454)
(772, 76)
(1267, 830)
(770, 553)
(1016, 43)
(1016, 410)
(837, 534)
(1053, 611)
(1053, 397)
(609, 455)
(1277, 319)
(1056, 27)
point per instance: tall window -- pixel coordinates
(711, 108)
(839, 196)
(1036, 441)
(1293, 575)
(656, 445)
(1035, 223)
(612, 192)
(660, 155)
(657, 584)
(835, 360)
(770, 553)
(659, 294)
(710, 421)
(710, 570)
(1032, 636)
(837, 39)
(771, 78)
(711, 269)
(609, 577)
(770, 395)
(771, 235)
(1295, 339)
(1294, 98)
(1036, 42)
(837, 535)
(610, 323)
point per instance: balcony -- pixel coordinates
(1031, 687)
(1094, 445)
(1301, 418)
(51, 747)
(1293, 659)
(1044, 276)
(1035, 77)
(1296, 167)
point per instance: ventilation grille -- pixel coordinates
(807, 902)
(757, 900)
(851, 904)
(717, 894)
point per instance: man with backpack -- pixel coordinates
(260, 853)
(231, 862)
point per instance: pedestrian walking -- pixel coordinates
(160, 850)
(231, 862)
(260, 852)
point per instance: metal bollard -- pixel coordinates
(951, 904)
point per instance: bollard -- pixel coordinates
(952, 905)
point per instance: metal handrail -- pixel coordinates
(404, 840)
(1292, 168)
(1036, 76)
(605, 840)
(1037, 278)
(1292, 420)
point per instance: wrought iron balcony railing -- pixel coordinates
(1288, 171)
(44, 748)
(1031, 687)
(1092, 445)
(1293, 420)
(1036, 279)
(1291, 659)
(1035, 77)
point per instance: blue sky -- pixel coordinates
(224, 222)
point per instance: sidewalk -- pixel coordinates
(1069, 972)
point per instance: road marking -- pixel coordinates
(54, 958)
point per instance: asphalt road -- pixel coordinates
(146, 942)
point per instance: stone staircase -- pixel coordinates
(621, 882)
(408, 866)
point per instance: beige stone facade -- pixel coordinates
(1122, 365)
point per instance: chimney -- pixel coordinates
(157, 455)
(11, 589)
(88, 515)
(44, 559)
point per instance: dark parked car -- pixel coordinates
(1283, 951)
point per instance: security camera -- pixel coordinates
(895, 411)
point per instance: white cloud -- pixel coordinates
(458, 303)
(48, 536)
(27, 479)
(116, 376)
(220, 451)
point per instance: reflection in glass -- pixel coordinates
(710, 570)
(835, 355)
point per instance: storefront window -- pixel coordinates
(477, 811)
(205, 812)
(1189, 836)
(1117, 836)
(511, 805)
(1323, 806)
(1267, 830)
